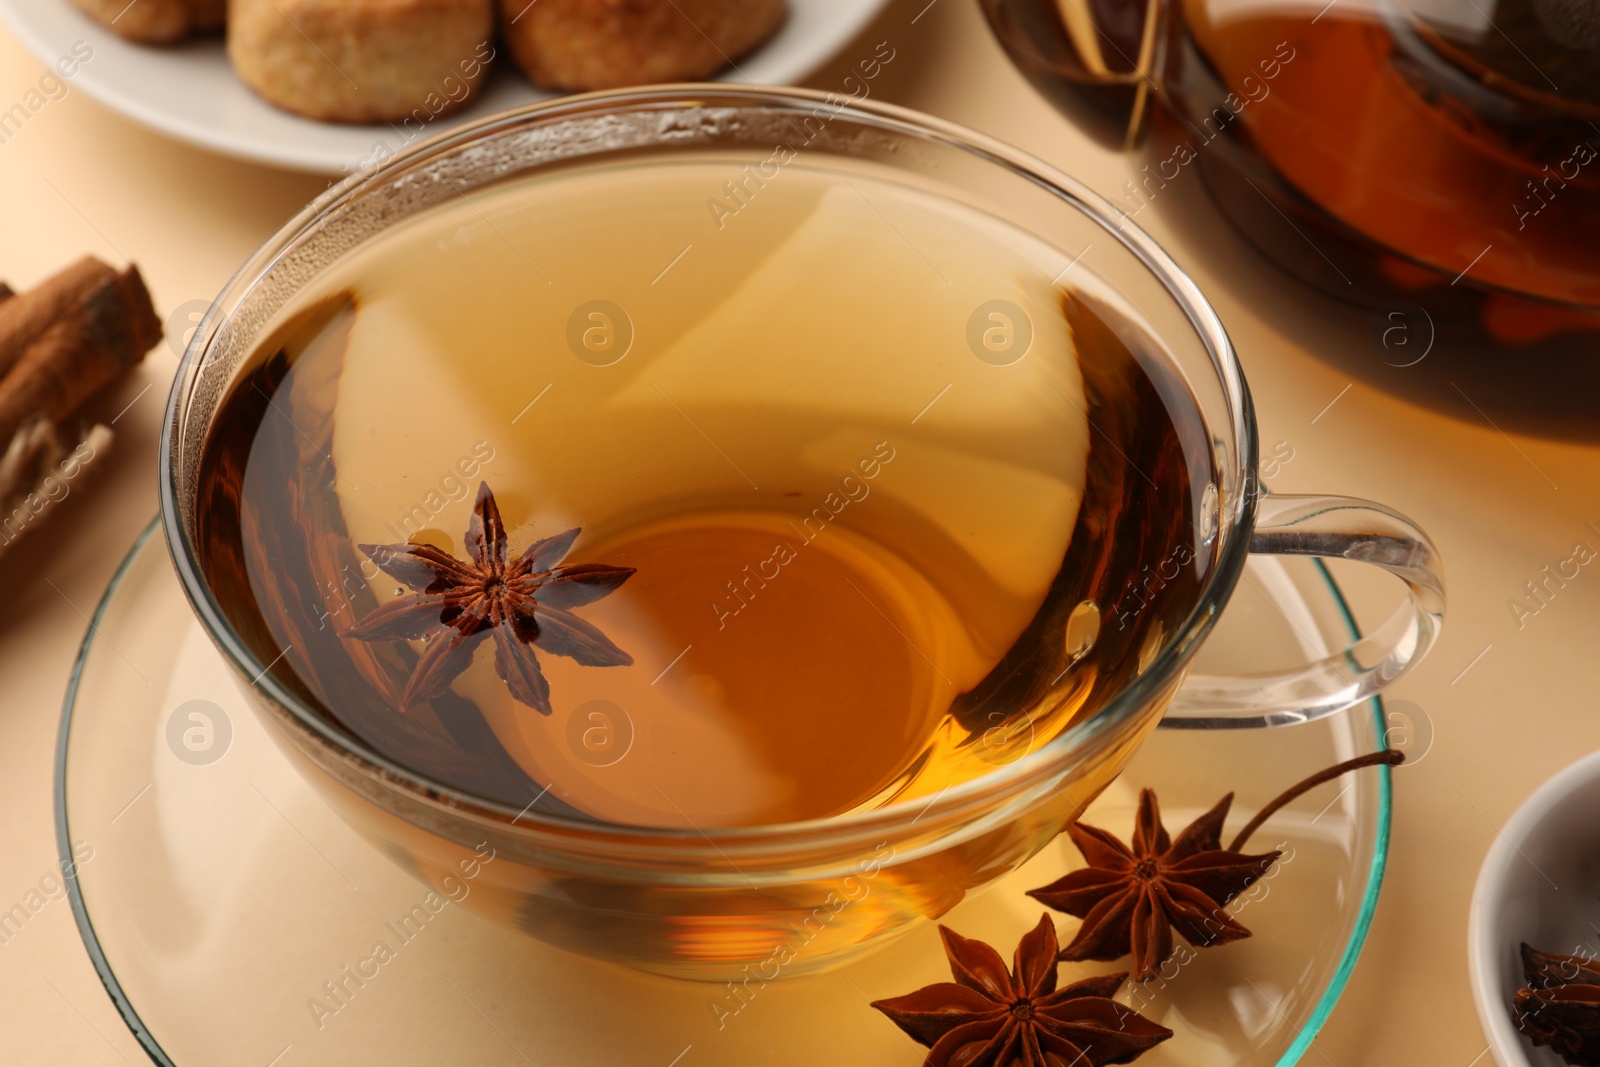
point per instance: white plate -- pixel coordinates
(190, 91)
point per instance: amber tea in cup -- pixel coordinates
(840, 437)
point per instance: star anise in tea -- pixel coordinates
(992, 1017)
(524, 604)
(1131, 898)
(1560, 1006)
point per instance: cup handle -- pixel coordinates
(1332, 527)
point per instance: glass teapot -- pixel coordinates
(1440, 150)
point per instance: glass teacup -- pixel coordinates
(1030, 737)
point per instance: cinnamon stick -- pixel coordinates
(27, 315)
(41, 467)
(92, 342)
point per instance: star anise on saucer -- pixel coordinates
(1560, 1006)
(1131, 898)
(991, 1017)
(524, 604)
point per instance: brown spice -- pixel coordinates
(88, 345)
(1131, 898)
(1560, 1006)
(523, 603)
(23, 319)
(61, 342)
(1019, 1018)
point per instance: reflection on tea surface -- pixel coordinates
(899, 508)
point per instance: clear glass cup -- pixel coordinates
(751, 903)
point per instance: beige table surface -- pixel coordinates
(1502, 505)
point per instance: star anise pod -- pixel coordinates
(1560, 1006)
(991, 1017)
(1131, 898)
(524, 604)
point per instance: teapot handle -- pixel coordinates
(1096, 60)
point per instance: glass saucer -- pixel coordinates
(236, 921)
